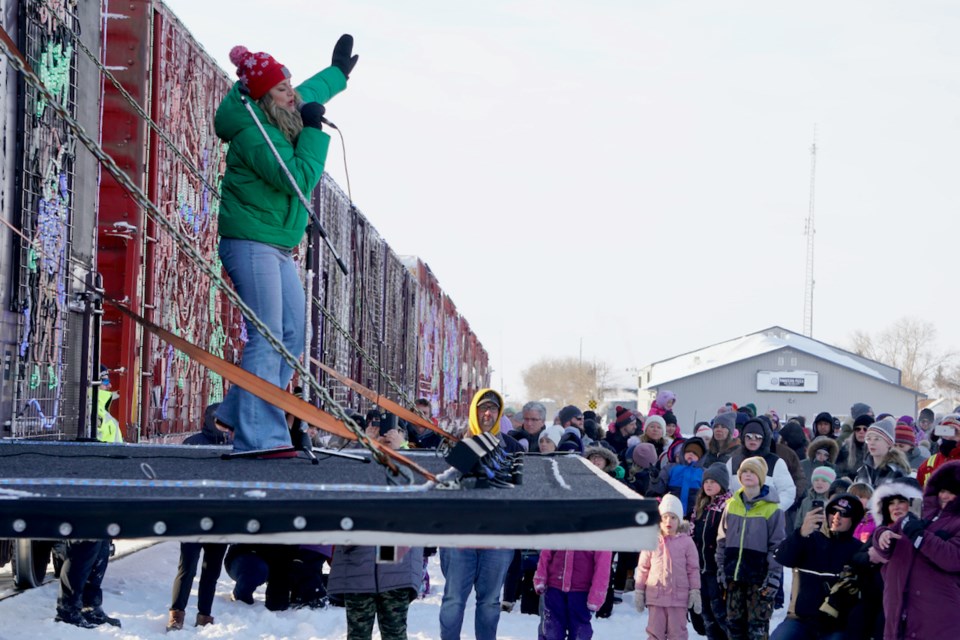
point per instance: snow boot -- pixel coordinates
(175, 623)
(74, 617)
(97, 616)
(204, 620)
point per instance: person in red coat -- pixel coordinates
(921, 592)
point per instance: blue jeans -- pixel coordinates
(794, 629)
(267, 280)
(465, 570)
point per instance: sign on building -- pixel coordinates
(790, 381)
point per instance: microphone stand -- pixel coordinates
(293, 183)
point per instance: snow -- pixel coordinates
(137, 590)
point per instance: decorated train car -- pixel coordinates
(386, 323)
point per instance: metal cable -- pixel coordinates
(150, 209)
(214, 190)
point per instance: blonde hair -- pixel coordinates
(289, 122)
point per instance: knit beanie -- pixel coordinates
(624, 416)
(669, 418)
(907, 420)
(824, 473)
(655, 420)
(719, 474)
(695, 446)
(554, 432)
(568, 413)
(859, 409)
(750, 409)
(753, 426)
(644, 455)
(671, 504)
(905, 434)
(757, 465)
(927, 414)
(704, 432)
(726, 420)
(863, 421)
(886, 429)
(259, 72)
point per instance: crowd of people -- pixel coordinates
(867, 528)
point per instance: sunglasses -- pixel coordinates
(859, 428)
(840, 512)
(752, 436)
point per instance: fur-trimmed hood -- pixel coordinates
(947, 476)
(823, 442)
(886, 491)
(609, 457)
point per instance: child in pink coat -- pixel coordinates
(662, 403)
(668, 580)
(573, 585)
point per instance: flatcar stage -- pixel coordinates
(52, 490)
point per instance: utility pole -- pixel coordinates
(810, 231)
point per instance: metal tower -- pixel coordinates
(810, 231)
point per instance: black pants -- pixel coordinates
(209, 574)
(81, 576)
(626, 566)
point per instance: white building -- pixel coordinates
(775, 369)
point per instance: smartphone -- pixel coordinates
(944, 431)
(818, 504)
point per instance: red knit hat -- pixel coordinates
(906, 434)
(259, 72)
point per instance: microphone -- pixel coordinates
(323, 119)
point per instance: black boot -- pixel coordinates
(96, 616)
(74, 617)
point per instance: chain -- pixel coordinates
(150, 209)
(363, 353)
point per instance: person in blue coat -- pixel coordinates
(684, 477)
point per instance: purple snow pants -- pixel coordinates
(565, 616)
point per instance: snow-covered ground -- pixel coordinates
(137, 590)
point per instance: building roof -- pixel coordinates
(759, 343)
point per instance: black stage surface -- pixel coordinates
(91, 490)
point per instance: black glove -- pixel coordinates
(913, 528)
(312, 114)
(342, 55)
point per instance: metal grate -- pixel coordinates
(46, 216)
(189, 87)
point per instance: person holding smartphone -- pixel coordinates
(819, 549)
(947, 433)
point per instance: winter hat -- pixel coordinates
(669, 418)
(644, 455)
(592, 430)
(655, 420)
(704, 432)
(694, 445)
(750, 409)
(719, 474)
(624, 416)
(753, 426)
(859, 409)
(590, 415)
(848, 505)
(907, 420)
(927, 414)
(863, 421)
(883, 415)
(554, 432)
(756, 464)
(726, 420)
(663, 397)
(947, 476)
(792, 434)
(258, 72)
(824, 473)
(671, 504)
(905, 434)
(886, 429)
(568, 413)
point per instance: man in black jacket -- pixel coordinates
(818, 551)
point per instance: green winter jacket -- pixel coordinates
(750, 531)
(257, 201)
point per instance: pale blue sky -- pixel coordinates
(636, 175)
